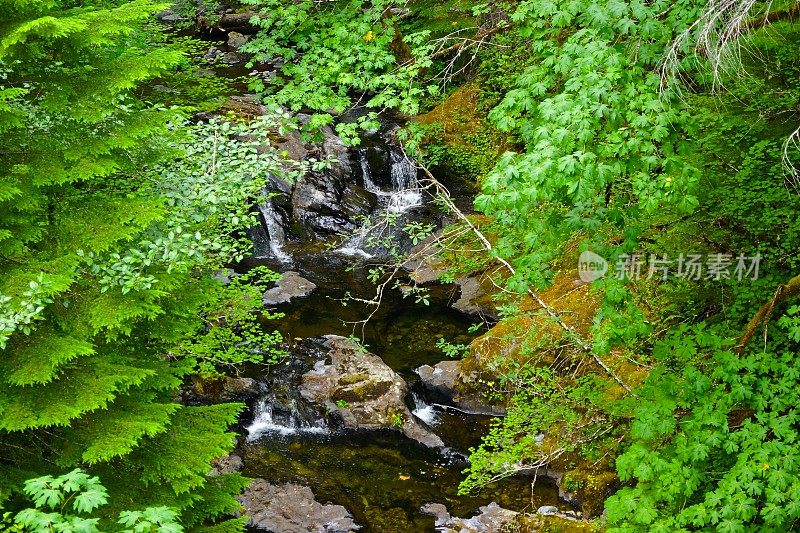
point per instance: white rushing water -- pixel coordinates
(264, 422)
(404, 194)
(275, 234)
(403, 197)
(422, 410)
(405, 187)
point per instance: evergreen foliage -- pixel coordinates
(114, 215)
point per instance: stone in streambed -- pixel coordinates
(236, 40)
(292, 509)
(226, 464)
(291, 285)
(364, 391)
(449, 380)
(490, 519)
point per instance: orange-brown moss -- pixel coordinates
(457, 114)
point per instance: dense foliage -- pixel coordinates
(114, 215)
(622, 153)
(636, 130)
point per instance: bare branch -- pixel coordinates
(582, 343)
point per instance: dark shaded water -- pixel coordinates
(402, 332)
(383, 478)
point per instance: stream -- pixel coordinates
(381, 477)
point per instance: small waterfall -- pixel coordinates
(403, 197)
(267, 419)
(369, 184)
(275, 235)
(424, 411)
(406, 194)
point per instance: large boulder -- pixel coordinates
(450, 381)
(363, 391)
(330, 202)
(292, 509)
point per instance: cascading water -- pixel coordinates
(406, 194)
(275, 235)
(424, 411)
(403, 197)
(382, 477)
(269, 419)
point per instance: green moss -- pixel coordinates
(439, 17)
(353, 378)
(459, 144)
(526, 523)
(365, 390)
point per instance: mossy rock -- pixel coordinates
(462, 146)
(353, 378)
(587, 482)
(527, 523)
(364, 391)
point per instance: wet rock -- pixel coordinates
(357, 201)
(233, 58)
(213, 54)
(448, 380)
(363, 391)
(547, 510)
(326, 204)
(441, 377)
(291, 285)
(292, 509)
(226, 464)
(236, 40)
(334, 148)
(316, 196)
(475, 298)
(223, 389)
(438, 511)
(490, 519)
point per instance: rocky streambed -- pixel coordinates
(369, 435)
(365, 435)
